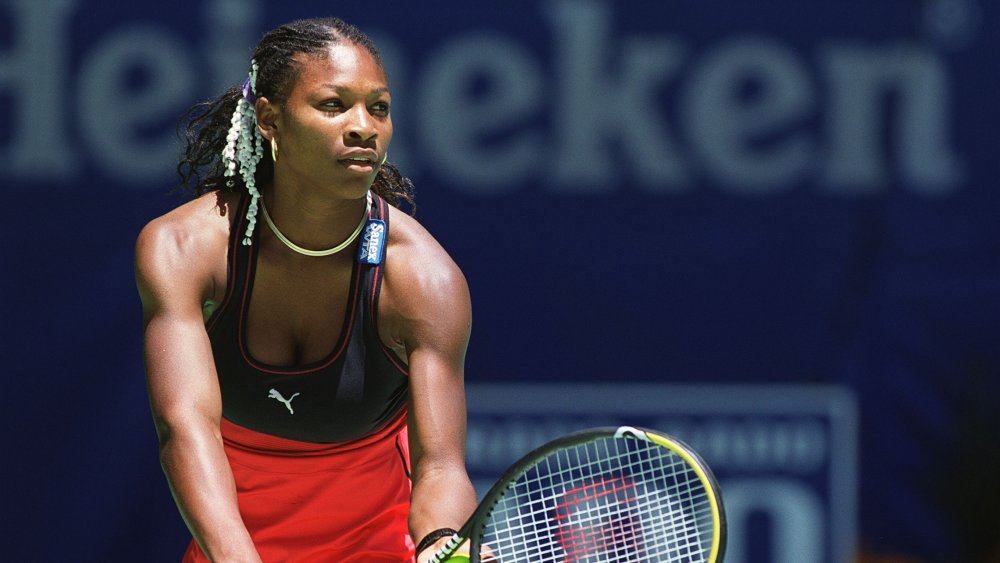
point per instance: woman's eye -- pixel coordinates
(332, 104)
(381, 108)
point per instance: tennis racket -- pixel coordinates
(603, 495)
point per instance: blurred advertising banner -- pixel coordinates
(785, 456)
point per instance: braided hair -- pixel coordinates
(223, 148)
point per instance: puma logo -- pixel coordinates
(274, 394)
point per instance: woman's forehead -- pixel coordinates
(341, 65)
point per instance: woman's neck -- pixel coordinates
(313, 218)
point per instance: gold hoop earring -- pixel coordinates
(274, 150)
(384, 158)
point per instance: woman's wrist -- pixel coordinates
(435, 537)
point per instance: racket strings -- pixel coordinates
(608, 500)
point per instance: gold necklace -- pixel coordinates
(327, 252)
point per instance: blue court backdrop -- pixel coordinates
(772, 228)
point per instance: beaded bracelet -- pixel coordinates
(433, 537)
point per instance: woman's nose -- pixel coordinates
(362, 126)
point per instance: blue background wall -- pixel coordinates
(675, 191)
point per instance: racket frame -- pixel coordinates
(472, 530)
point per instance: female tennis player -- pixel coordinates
(304, 339)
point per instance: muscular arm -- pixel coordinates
(432, 310)
(172, 274)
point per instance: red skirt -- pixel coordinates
(320, 503)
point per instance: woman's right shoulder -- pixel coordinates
(188, 241)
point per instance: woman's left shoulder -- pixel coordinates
(417, 261)
(425, 297)
(411, 242)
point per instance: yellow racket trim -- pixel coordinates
(705, 482)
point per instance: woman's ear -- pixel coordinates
(267, 117)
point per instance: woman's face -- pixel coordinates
(335, 126)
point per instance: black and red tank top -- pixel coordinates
(358, 388)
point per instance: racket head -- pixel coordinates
(604, 494)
